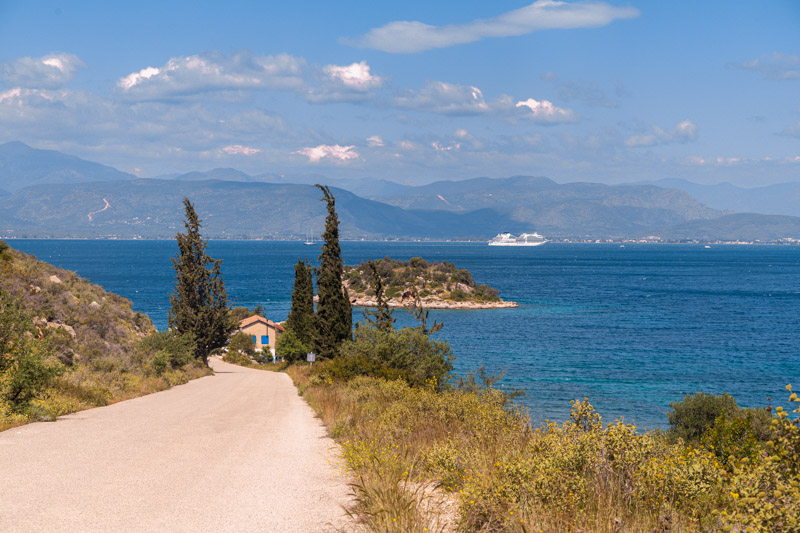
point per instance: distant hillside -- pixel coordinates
(21, 166)
(224, 174)
(44, 193)
(152, 209)
(572, 209)
(739, 226)
(779, 199)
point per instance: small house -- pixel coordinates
(264, 332)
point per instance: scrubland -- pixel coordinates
(67, 345)
(465, 457)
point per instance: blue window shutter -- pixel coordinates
(264, 340)
(254, 339)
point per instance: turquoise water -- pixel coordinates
(630, 328)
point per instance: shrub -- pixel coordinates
(243, 343)
(237, 358)
(458, 295)
(691, 417)
(485, 292)
(177, 348)
(290, 348)
(27, 363)
(407, 354)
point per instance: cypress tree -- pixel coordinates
(334, 318)
(199, 302)
(301, 316)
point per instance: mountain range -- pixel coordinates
(50, 194)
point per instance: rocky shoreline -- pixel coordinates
(430, 303)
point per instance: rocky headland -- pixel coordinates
(434, 285)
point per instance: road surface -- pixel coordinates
(238, 451)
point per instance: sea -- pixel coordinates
(632, 328)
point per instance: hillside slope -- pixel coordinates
(229, 209)
(21, 166)
(67, 344)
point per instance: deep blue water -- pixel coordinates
(630, 328)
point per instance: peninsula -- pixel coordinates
(435, 285)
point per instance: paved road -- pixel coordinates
(238, 451)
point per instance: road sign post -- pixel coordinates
(311, 357)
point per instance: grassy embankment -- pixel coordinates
(467, 457)
(68, 345)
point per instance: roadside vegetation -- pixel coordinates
(67, 345)
(417, 278)
(430, 452)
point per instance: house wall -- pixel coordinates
(259, 329)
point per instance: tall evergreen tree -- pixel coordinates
(199, 303)
(334, 319)
(301, 316)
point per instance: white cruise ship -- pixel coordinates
(525, 239)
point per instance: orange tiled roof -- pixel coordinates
(255, 318)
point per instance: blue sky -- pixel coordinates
(415, 91)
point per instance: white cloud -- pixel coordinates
(356, 76)
(461, 133)
(200, 73)
(413, 36)
(545, 111)
(336, 152)
(774, 66)
(47, 72)
(684, 132)
(439, 147)
(238, 149)
(374, 141)
(447, 98)
(345, 83)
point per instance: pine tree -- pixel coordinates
(301, 316)
(199, 303)
(381, 318)
(334, 318)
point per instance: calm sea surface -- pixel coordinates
(630, 328)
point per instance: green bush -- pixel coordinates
(691, 417)
(243, 343)
(458, 295)
(290, 348)
(27, 363)
(237, 358)
(407, 354)
(177, 348)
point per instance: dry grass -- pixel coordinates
(413, 450)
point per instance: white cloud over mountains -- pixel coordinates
(187, 75)
(545, 111)
(356, 76)
(48, 72)
(414, 36)
(446, 98)
(334, 152)
(684, 132)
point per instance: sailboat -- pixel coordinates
(309, 242)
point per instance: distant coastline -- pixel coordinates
(779, 242)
